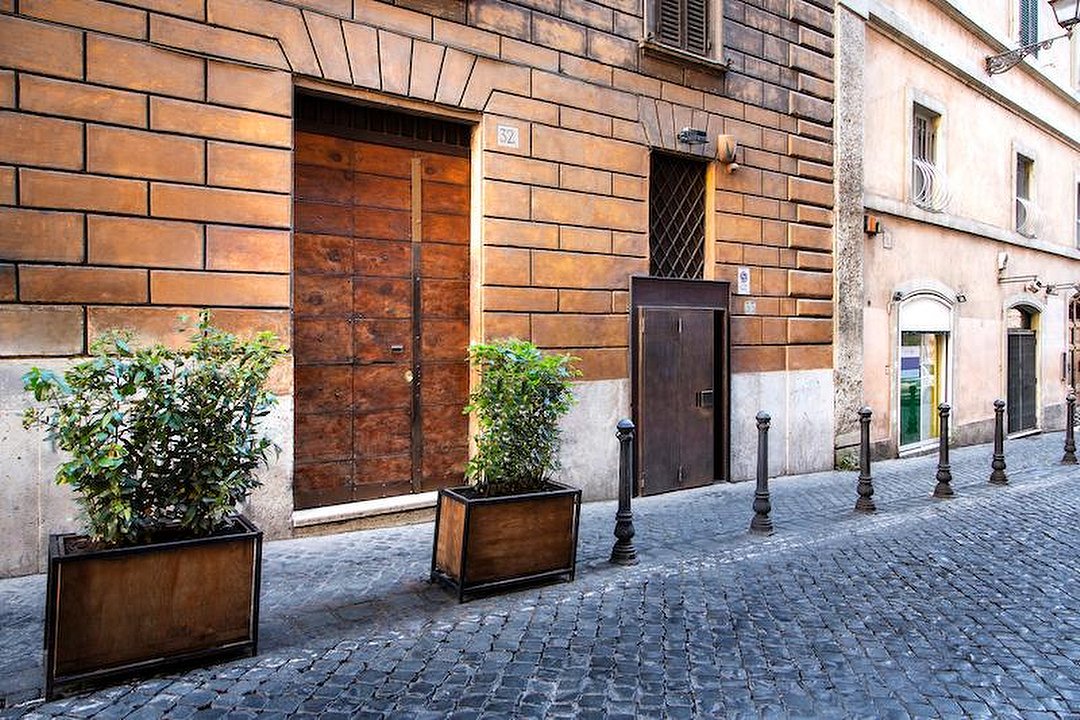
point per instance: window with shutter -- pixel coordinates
(687, 28)
(1029, 22)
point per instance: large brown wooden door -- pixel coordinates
(380, 304)
(676, 381)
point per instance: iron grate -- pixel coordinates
(676, 217)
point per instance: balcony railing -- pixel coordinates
(930, 186)
(1028, 217)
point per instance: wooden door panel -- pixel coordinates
(323, 254)
(444, 198)
(377, 191)
(323, 150)
(322, 484)
(324, 389)
(323, 437)
(355, 321)
(386, 432)
(322, 295)
(441, 228)
(446, 168)
(438, 260)
(445, 298)
(444, 383)
(382, 386)
(444, 339)
(384, 258)
(376, 340)
(382, 160)
(323, 184)
(320, 342)
(380, 297)
(313, 217)
(382, 224)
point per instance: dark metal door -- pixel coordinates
(676, 381)
(1022, 384)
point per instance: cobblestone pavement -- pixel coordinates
(967, 607)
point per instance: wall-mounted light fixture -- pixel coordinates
(692, 136)
(961, 297)
(1067, 14)
(726, 146)
(871, 224)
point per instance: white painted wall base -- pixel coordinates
(800, 404)
(590, 450)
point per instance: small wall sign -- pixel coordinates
(743, 281)
(507, 136)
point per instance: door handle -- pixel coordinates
(703, 398)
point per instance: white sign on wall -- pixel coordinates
(507, 136)
(743, 281)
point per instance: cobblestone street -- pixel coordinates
(961, 608)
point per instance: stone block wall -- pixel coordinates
(146, 163)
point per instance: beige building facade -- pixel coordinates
(957, 234)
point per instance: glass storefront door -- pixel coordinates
(922, 384)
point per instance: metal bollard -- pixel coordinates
(997, 474)
(865, 502)
(944, 473)
(762, 524)
(1069, 458)
(623, 553)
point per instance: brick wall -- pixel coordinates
(145, 160)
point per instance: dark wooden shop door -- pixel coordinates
(380, 304)
(677, 377)
(1021, 379)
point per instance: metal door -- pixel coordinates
(677, 377)
(380, 304)
(1022, 381)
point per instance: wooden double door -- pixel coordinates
(380, 307)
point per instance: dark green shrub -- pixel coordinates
(520, 398)
(160, 440)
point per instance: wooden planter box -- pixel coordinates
(116, 613)
(483, 544)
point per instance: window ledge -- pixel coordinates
(651, 47)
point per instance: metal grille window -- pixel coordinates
(1026, 221)
(929, 188)
(1029, 22)
(676, 217)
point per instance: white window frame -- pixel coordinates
(920, 103)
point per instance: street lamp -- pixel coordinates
(1067, 14)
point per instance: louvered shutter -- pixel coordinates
(697, 19)
(669, 22)
(1029, 21)
(683, 24)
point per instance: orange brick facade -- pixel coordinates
(145, 159)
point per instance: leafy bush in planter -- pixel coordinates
(520, 398)
(159, 439)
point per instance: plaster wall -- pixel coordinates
(800, 435)
(977, 137)
(918, 259)
(590, 450)
(32, 506)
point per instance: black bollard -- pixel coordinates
(1069, 458)
(623, 553)
(944, 473)
(865, 502)
(762, 524)
(997, 474)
